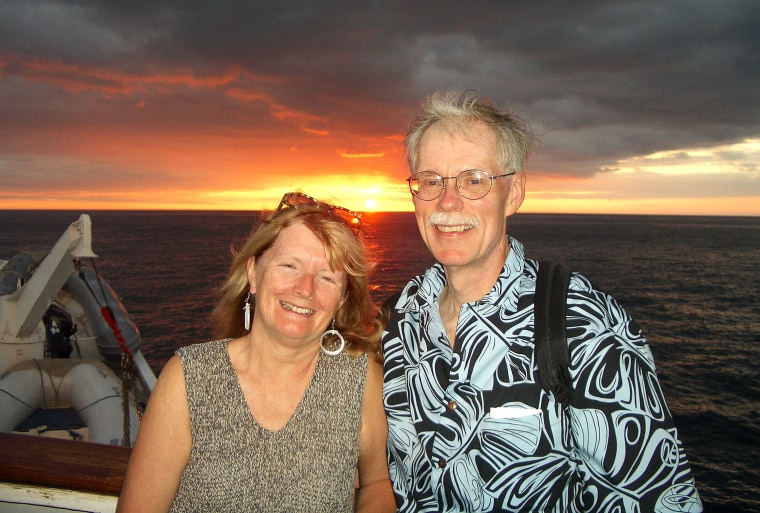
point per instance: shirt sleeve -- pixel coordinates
(625, 439)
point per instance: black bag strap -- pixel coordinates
(550, 324)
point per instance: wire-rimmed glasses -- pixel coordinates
(299, 199)
(472, 184)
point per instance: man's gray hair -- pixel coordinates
(456, 110)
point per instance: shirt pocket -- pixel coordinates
(513, 428)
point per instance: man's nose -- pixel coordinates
(450, 194)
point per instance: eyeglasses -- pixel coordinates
(472, 184)
(299, 199)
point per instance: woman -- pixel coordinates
(284, 413)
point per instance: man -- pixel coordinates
(470, 427)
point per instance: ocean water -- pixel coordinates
(692, 283)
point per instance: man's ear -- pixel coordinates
(516, 193)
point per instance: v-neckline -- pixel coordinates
(244, 402)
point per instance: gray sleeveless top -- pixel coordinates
(236, 465)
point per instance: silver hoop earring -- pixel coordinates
(332, 333)
(247, 311)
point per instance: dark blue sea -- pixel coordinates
(693, 283)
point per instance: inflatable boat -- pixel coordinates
(71, 368)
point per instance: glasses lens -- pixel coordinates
(473, 183)
(293, 199)
(426, 185)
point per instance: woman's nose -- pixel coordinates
(304, 285)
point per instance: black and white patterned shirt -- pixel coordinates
(471, 429)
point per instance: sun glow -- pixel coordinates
(721, 180)
(379, 193)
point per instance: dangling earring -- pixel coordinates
(332, 332)
(247, 310)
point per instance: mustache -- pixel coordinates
(452, 219)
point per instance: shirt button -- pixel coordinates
(441, 463)
(452, 405)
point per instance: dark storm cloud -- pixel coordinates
(599, 81)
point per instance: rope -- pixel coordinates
(127, 374)
(42, 382)
(128, 370)
(17, 398)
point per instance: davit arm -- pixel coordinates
(21, 311)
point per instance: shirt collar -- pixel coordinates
(423, 291)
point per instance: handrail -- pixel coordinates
(43, 461)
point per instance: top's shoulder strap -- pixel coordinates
(550, 319)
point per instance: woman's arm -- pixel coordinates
(375, 493)
(162, 447)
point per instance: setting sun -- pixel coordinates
(371, 204)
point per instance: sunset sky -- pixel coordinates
(640, 106)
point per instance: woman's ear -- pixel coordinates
(250, 268)
(342, 302)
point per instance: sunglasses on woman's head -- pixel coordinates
(299, 199)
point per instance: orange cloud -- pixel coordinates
(77, 78)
